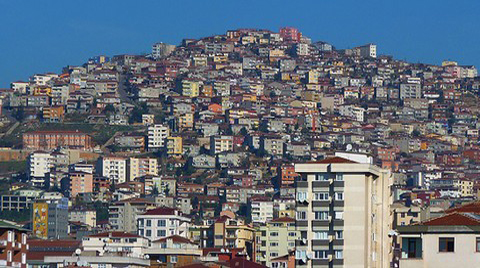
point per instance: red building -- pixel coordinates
(287, 175)
(290, 34)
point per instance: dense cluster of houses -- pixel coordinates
(212, 171)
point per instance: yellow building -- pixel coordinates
(464, 186)
(228, 232)
(142, 166)
(185, 121)
(275, 239)
(190, 88)
(174, 146)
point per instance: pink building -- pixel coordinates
(80, 182)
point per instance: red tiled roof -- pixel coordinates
(473, 207)
(453, 219)
(335, 160)
(176, 239)
(160, 211)
(283, 219)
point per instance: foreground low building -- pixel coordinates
(452, 240)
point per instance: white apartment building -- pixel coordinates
(343, 213)
(39, 165)
(157, 134)
(160, 50)
(139, 167)
(262, 210)
(114, 168)
(162, 222)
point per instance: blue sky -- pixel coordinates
(41, 36)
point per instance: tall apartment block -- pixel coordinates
(343, 213)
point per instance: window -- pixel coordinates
(161, 233)
(339, 196)
(320, 196)
(321, 177)
(446, 244)
(273, 254)
(302, 196)
(292, 234)
(320, 235)
(339, 234)
(339, 177)
(320, 254)
(338, 254)
(102, 265)
(411, 247)
(273, 244)
(339, 215)
(173, 259)
(149, 223)
(273, 233)
(162, 223)
(321, 215)
(477, 244)
(301, 215)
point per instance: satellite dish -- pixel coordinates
(78, 251)
(349, 147)
(147, 257)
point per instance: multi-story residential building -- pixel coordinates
(261, 209)
(85, 216)
(162, 222)
(228, 232)
(160, 50)
(191, 88)
(275, 239)
(369, 50)
(221, 143)
(122, 214)
(173, 251)
(348, 199)
(39, 164)
(139, 167)
(272, 145)
(413, 91)
(174, 146)
(157, 135)
(48, 140)
(286, 175)
(80, 183)
(114, 168)
(13, 246)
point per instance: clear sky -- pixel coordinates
(42, 36)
